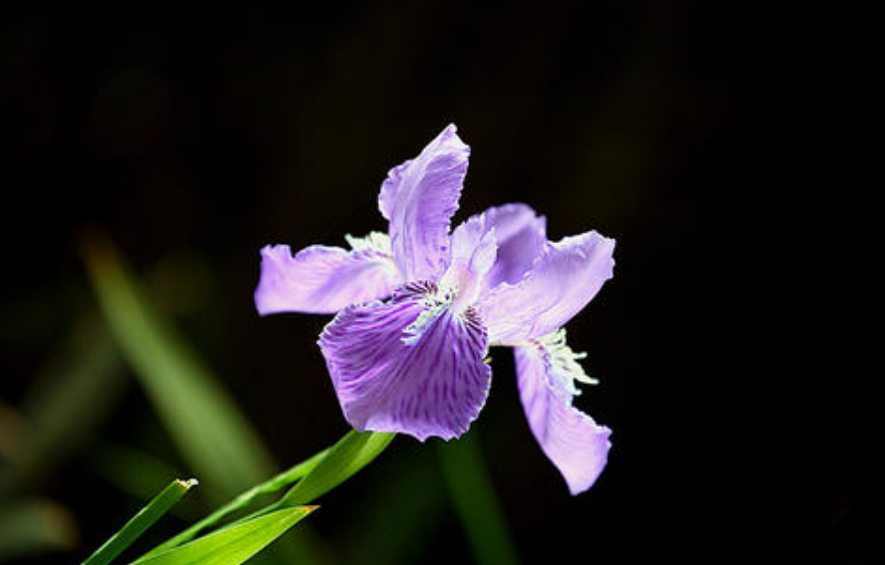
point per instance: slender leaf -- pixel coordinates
(275, 484)
(232, 545)
(154, 510)
(137, 473)
(352, 452)
(475, 502)
(211, 433)
(214, 437)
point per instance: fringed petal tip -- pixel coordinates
(576, 445)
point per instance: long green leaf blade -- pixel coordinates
(232, 545)
(154, 510)
(353, 452)
(214, 437)
(272, 485)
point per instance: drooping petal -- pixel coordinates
(573, 442)
(408, 365)
(564, 278)
(321, 279)
(521, 235)
(474, 249)
(419, 198)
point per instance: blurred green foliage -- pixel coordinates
(214, 439)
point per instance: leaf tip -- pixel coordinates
(188, 484)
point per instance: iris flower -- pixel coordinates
(418, 307)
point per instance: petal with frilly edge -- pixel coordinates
(408, 365)
(321, 279)
(573, 442)
(563, 279)
(419, 198)
(521, 234)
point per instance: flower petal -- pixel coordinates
(573, 442)
(564, 278)
(521, 235)
(419, 198)
(474, 249)
(391, 379)
(322, 280)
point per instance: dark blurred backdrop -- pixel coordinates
(721, 143)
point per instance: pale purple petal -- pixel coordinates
(573, 442)
(322, 280)
(521, 235)
(419, 198)
(563, 279)
(474, 249)
(392, 377)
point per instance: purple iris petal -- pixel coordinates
(408, 365)
(474, 250)
(563, 279)
(414, 363)
(419, 198)
(521, 235)
(573, 442)
(321, 279)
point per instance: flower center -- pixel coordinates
(434, 301)
(460, 283)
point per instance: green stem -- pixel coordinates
(246, 498)
(140, 522)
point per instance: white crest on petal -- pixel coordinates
(435, 300)
(563, 361)
(375, 241)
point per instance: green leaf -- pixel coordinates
(213, 436)
(475, 502)
(154, 510)
(352, 452)
(272, 485)
(232, 545)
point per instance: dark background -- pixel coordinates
(723, 144)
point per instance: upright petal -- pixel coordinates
(521, 235)
(573, 442)
(419, 198)
(408, 365)
(564, 278)
(322, 280)
(474, 249)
